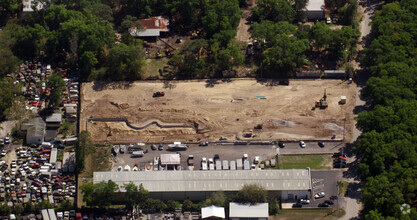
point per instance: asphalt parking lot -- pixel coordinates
(325, 181)
(226, 152)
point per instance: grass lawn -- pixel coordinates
(152, 67)
(301, 214)
(320, 162)
(343, 187)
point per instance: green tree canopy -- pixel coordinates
(273, 10)
(251, 194)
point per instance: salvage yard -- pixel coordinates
(212, 109)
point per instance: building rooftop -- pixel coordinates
(35, 128)
(212, 211)
(248, 211)
(151, 27)
(225, 180)
(27, 5)
(315, 5)
(54, 118)
(170, 159)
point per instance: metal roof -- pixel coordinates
(170, 159)
(248, 211)
(55, 117)
(212, 211)
(36, 128)
(315, 5)
(225, 180)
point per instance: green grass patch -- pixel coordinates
(320, 162)
(153, 66)
(343, 187)
(313, 214)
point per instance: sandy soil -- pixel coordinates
(213, 111)
(243, 34)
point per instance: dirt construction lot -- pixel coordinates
(214, 109)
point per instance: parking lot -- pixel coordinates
(225, 151)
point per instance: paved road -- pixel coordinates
(351, 202)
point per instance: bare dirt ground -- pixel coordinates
(214, 109)
(243, 34)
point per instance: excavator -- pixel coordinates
(322, 103)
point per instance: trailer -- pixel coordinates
(45, 215)
(138, 153)
(218, 165)
(246, 165)
(239, 164)
(225, 164)
(233, 165)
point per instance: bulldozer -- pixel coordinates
(322, 103)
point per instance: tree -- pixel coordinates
(8, 92)
(218, 199)
(101, 10)
(273, 10)
(100, 194)
(221, 16)
(172, 205)
(251, 194)
(230, 57)
(286, 54)
(268, 30)
(135, 195)
(10, 6)
(83, 147)
(187, 205)
(125, 63)
(321, 35)
(56, 83)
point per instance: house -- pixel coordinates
(199, 184)
(239, 211)
(29, 4)
(152, 28)
(35, 131)
(212, 212)
(315, 10)
(54, 121)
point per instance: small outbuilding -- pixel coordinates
(212, 212)
(170, 161)
(152, 28)
(54, 120)
(315, 10)
(238, 211)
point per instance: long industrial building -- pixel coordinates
(197, 185)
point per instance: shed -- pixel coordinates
(54, 120)
(170, 159)
(35, 131)
(152, 27)
(212, 212)
(244, 211)
(315, 9)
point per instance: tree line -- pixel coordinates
(387, 148)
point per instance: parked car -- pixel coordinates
(323, 204)
(153, 147)
(203, 144)
(161, 147)
(330, 202)
(321, 144)
(297, 205)
(256, 160)
(159, 94)
(281, 144)
(302, 144)
(7, 140)
(304, 201)
(319, 195)
(216, 157)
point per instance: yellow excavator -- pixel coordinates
(322, 103)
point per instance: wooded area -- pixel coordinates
(387, 147)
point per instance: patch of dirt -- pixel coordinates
(211, 111)
(243, 33)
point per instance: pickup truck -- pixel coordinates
(190, 160)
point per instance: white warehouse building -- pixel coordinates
(198, 185)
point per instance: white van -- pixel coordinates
(46, 145)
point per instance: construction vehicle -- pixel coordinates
(322, 103)
(248, 134)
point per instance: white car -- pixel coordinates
(302, 144)
(319, 195)
(256, 160)
(328, 20)
(304, 201)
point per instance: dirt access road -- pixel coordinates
(243, 33)
(214, 109)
